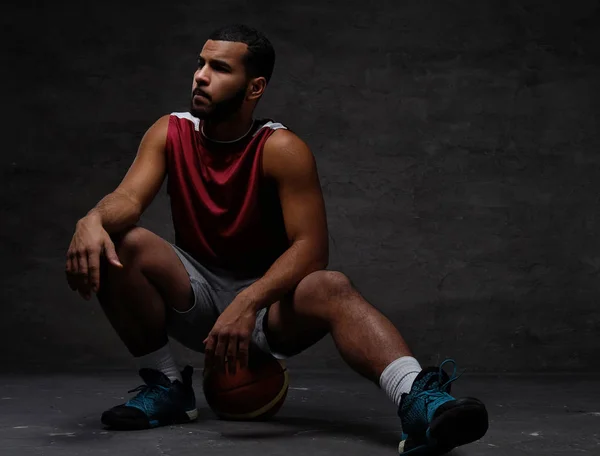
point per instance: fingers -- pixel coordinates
(70, 271)
(82, 273)
(232, 349)
(93, 259)
(210, 344)
(243, 350)
(224, 351)
(89, 243)
(221, 350)
(111, 253)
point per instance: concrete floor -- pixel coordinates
(325, 413)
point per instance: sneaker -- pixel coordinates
(434, 422)
(159, 402)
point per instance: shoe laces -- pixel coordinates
(452, 378)
(438, 392)
(424, 400)
(148, 395)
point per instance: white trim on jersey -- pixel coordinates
(272, 126)
(188, 116)
(196, 122)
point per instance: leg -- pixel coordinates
(325, 302)
(433, 422)
(134, 299)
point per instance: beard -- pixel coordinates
(222, 110)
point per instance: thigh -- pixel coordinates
(212, 290)
(155, 258)
(191, 327)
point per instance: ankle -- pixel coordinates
(161, 360)
(398, 377)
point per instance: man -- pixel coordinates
(247, 269)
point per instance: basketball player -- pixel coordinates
(248, 265)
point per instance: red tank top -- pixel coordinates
(225, 212)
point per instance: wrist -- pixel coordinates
(250, 302)
(92, 217)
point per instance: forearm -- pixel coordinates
(299, 260)
(116, 211)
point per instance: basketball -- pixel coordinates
(254, 393)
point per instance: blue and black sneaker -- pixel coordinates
(434, 422)
(159, 402)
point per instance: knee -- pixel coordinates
(321, 286)
(129, 244)
(131, 241)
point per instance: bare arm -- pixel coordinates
(117, 211)
(291, 163)
(125, 205)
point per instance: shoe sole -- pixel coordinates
(119, 424)
(458, 426)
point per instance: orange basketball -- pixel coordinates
(254, 393)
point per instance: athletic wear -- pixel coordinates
(159, 402)
(434, 422)
(228, 221)
(161, 360)
(397, 378)
(213, 289)
(225, 212)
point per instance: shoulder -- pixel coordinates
(157, 132)
(183, 119)
(286, 154)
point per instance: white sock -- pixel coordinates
(398, 377)
(161, 360)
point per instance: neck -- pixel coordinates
(228, 130)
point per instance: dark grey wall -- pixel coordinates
(457, 144)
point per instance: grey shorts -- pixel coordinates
(214, 290)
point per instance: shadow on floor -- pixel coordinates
(88, 430)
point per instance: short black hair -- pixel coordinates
(260, 58)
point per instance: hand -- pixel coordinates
(230, 336)
(83, 257)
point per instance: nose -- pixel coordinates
(201, 76)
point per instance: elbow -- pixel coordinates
(321, 262)
(316, 256)
(323, 257)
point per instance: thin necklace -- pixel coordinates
(227, 142)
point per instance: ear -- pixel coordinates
(256, 88)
